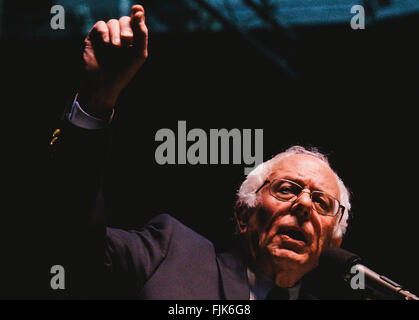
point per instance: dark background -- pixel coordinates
(355, 99)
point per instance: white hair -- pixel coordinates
(248, 196)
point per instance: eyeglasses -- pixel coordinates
(290, 191)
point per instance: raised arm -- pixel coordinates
(113, 53)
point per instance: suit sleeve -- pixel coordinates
(99, 261)
(77, 217)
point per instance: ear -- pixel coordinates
(241, 214)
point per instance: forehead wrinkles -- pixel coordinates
(309, 170)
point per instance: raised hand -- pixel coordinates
(113, 53)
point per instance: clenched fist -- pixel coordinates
(113, 53)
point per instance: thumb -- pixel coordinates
(137, 18)
(140, 30)
(136, 8)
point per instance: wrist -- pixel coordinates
(97, 104)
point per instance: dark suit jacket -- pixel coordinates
(162, 260)
(167, 260)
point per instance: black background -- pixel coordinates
(355, 99)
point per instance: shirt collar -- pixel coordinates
(260, 284)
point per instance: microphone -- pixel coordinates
(340, 263)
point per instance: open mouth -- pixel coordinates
(293, 234)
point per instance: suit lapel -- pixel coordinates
(309, 283)
(233, 276)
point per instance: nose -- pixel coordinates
(302, 206)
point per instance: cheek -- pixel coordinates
(261, 223)
(257, 226)
(324, 231)
(267, 216)
(272, 208)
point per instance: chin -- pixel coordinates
(282, 255)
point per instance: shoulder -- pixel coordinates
(163, 241)
(179, 233)
(163, 230)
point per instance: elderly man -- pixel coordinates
(288, 210)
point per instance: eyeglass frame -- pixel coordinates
(340, 210)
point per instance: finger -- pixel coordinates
(100, 32)
(140, 30)
(127, 35)
(137, 20)
(136, 8)
(114, 32)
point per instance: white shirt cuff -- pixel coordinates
(80, 118)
